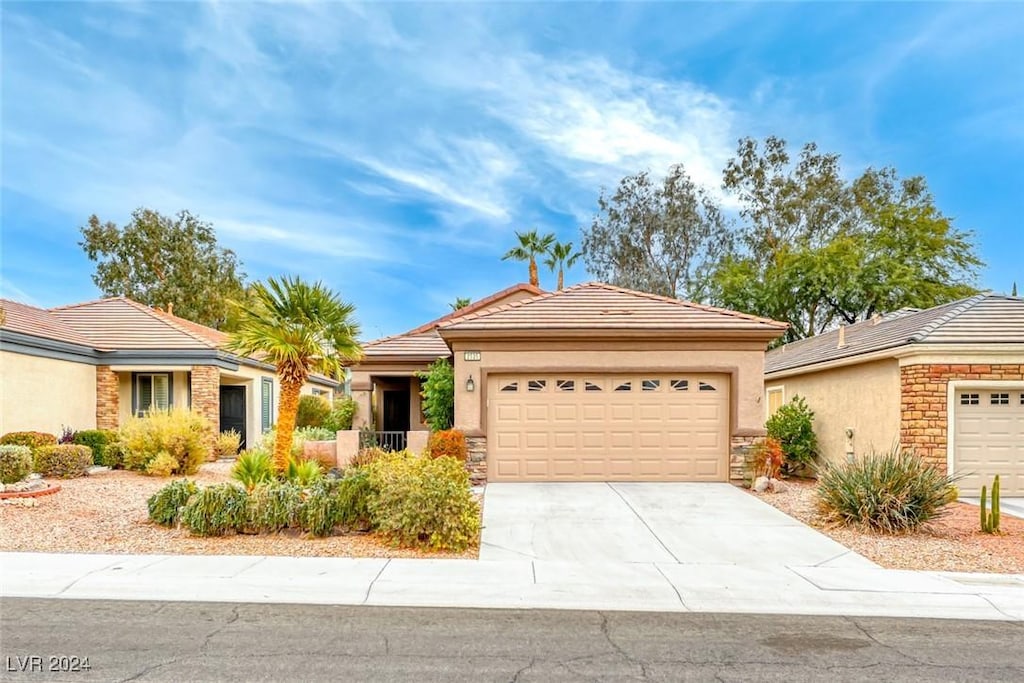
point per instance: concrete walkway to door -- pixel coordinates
(649, 522)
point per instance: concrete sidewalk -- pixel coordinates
(640, 586)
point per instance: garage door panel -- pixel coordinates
(578, 427)
(989, 439)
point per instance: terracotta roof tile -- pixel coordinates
(981, 319)
(39, 322)
(120, 323)
(598, 306)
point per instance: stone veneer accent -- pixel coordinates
(739, 447)
(476, 459)
(108, 399)
(206, 394)
(923, 410)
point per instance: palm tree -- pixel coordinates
(301, 328)
(530, 245)
(560, 257)
(460, 303)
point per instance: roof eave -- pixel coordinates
(534, 333)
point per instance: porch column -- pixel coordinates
(206, 394)
(108, 399)
(362, 394)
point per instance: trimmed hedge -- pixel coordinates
(97, 440)
(15, 463)
(31, 439)
(66, 461)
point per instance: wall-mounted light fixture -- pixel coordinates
(470, 384)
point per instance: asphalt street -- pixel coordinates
(177, 641)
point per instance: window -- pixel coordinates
(624, 386)
(266, 403)
(322, 392)
(510, 386)
(969, 399)
(650, 385)
(565, 384)
(1022, 398)
(680, 384)
(536, 385)
(776, 397)
(999, 399)
(592, 386)
(704, 386)
(152, 392)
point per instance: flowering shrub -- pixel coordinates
(449, 442)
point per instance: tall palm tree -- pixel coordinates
(301, 328)
(530, 245)
(560, 257)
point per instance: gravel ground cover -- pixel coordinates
(106, 513)
(951, 543)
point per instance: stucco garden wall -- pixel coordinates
(42, 394)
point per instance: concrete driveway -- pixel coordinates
(649, 522)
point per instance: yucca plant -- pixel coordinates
(889, 492)
(252, 469)
(304, 472)
(301, 328)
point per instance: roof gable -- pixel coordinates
(597, 306)
(980, 319)
(120, 323)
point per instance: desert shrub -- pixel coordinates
(113, 456)
(253, 468)
(97, 440)
(423, 501)
(890, 492)
(314, 434)
(226, 444)
(304, 472)
(181, 433)
(273, 506)
(437, 387)
(15, 463)
(312, 412)
(67, 435)
(342, 413)
(792, 425)
(321, 511)
(31, 439)
(364, 456)
(767, 458)
(66, 461)
(216, 510)
(163, 465)
(165, 506)
(299, 439)
(448, 442)
(354, 492)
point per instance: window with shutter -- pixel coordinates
(152, 391)
(267, 403)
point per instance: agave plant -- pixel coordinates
(252, 469)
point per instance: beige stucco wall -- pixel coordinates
(42, 394)
(863, 397)
(743, 360)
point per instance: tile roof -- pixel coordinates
(981, 319)
(39, 322)
(120, 323)
(599, 306)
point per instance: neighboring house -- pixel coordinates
(92, 365)
(947, 381)
(590, 383)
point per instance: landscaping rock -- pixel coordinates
(96, 469)
(761, 484)
(778, 486)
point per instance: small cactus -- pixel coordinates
(984, 513)
(990, 518)
(995, 505)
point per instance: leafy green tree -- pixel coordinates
(560, 257)
(460, 303)
(437, 388)
(530, 246)
(302, 329)
(174, 263)
(817, 250)
(792, 425)
(664, 238)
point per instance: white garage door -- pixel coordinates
(599, 427)
(989, 439)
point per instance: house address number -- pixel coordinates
(470, 355)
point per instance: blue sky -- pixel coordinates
(391, 150)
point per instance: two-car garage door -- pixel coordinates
(989, 439)
(608, 427)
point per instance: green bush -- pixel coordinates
(253, 468)
(312, 412)
(66, 461)
(163, 465)
(889, 492)
(273, 506)
(438, 392)
(97, 440)
(226, 444)
(423, 501)
(181, 433)
(33, 440)
(320, 511)
(342, 413)
(165, 506)
(792, 425)
(113, 456)
(354, 493)
(304, 472)
(216, 510)
(15, 463)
